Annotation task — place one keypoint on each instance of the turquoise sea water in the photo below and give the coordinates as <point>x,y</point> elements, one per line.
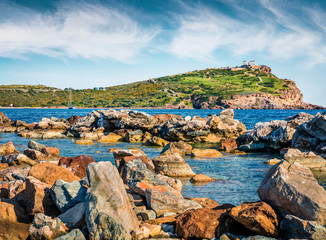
<point>240,174</point>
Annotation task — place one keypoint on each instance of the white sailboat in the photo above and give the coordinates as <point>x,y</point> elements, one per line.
<point>71,106</point>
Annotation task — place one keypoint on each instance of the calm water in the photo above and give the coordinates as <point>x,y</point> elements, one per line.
<point>240,174</point>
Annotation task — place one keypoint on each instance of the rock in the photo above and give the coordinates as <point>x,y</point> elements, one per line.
<point>134,136</point>
<point>4,119</point>
<point>110,138</point>
<point>175,183</point>
<point>45,227</point>
<point>50,172</point>
<point>201,178</point>
<point>73,119</point>
<point>206,153</point>
<point>75,234</point>
<point>76,165</point>
<point>157,141</point>
<point>34,154</point>
<point>172,165</point>
<point>14,220</point>
<point>228,145</point>
<point>139,178</point>
<point>307,159</point>
<point>4,190</point>
<point>309,135</point>
<point>205,202</point>
<point>75,216</point>
<point>17,159</point>
<point>84,142</point>
<point>272,161</point>
<point>180,147</point>
<point>65,195</point>
<point>295,228</point>
<point>37,198</point>
<point>124,156</point>
<point>292,189</point>
<point>109,214</point>
<point>147,230</point>
<point>229,113</point>
<point>162,202</point>
<point>258,217</point>
<point>147,215</point>
<point>19,174</point>
<point>203,223</point>
<point>163,220</point>
<point>35,145</point>
<point>273,135</point>
<point>51,152</point>
<point>7,148</point>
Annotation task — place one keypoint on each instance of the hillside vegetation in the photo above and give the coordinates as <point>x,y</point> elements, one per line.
<point>169,90</point>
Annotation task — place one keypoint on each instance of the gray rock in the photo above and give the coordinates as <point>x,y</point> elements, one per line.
<point>292,189</point>
<point>75,216</point>
<point>75,234</point>
<point>294,227</point>
<point>180,147</point>
<point>36,146</point>
<point>109,214</point>
<point>162,202</point>
<point>66,195</point>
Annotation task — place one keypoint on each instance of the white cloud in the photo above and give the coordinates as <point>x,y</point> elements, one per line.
<point>83,30</point>
<point>271,30</point>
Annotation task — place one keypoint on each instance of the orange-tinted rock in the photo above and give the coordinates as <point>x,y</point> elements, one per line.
<point>4,190</point>
<point>73,119</point>
<point>84,142</point>
<point>205,202</point>
<point>3,166</point>
<point>201,178</point>
<point>51,152</point>
<point>7,148</point>
<point>163,220</point>
<point>258,217</point>
<point>14,221</point>
<point>161,118</point>
<point>111,138</point>
<point>50,172</point>
<point>203,223</point>
<point>76,165</point>
<point>180,147</point>
<point>228,145</point>
<point>206,153</point>
<point>124,156</point>
<point>34,154</point>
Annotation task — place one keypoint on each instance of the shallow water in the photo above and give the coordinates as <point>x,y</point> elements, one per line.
<point>240,175</point>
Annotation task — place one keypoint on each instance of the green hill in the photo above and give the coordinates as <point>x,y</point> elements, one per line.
<point>203,84</point>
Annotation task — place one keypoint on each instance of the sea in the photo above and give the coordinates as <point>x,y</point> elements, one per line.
<point>239,175</point>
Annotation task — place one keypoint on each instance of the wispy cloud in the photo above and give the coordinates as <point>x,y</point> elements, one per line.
<point>83,30</point>
<point>273,28</point>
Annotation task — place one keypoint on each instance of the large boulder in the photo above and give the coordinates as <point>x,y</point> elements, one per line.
<point>311,136</point>
<point>273,135</point>
<point>173,165</point>
<point>166,202</point>
<point>292,189</point>
<point>75,234</point>
<point>75,216</point>
<point>205,153</point>
<point>66,195</point>
<point>180,147</point>
<point>258,217</point>
<point>17,159</point>
<point>295,228</point>
<point>77,165</point>
<point>35,145</point>
<point>204,223</point>
<point>109,214</point>
<point>122,156</point>
<point>50,172</point>
<point>134,136</point>
<point>7,148</point>
<point>14,221</point>
<point>110,138</point>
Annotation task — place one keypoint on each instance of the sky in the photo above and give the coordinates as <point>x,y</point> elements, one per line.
<point>86,44</point>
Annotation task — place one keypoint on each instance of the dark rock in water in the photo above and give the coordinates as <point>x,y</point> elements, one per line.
<point>66,195</point>
<point>311,135</point>
<point>45,227</point>
<point>203,223</point>
<point>76,165</point>
<point>19,123</point>
<point>35,145</point>
<point>75,234</point>
<point>292,189</point>
<point>164,202</point>
<point>258,217</point>
<point>295,228</point>
<point>172,165</point>
<point>273,135</point>
<point>73,119</point>
<point>109,214</point>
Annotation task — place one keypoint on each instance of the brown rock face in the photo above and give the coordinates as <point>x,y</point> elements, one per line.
<point>76,165</point>
<point>7,148</point>
<point>206,153</point>
<point>258,217</point>
<point>179,147</point>
<point>203,223</point>
<point>51,152</point>
<point>50,172</point>
<point>205,202</point>
<point>228,145</point>
<point>14,221</point>
<point>201,178</point>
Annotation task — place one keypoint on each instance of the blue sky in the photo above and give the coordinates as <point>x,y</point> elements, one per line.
<point>84,44</point>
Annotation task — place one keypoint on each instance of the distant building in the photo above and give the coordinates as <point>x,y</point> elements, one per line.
<point>244,63</point>
<point>96,88</point>
<point>252,62</point>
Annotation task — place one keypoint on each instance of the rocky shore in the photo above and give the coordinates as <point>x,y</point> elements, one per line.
<point>44,195</point>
